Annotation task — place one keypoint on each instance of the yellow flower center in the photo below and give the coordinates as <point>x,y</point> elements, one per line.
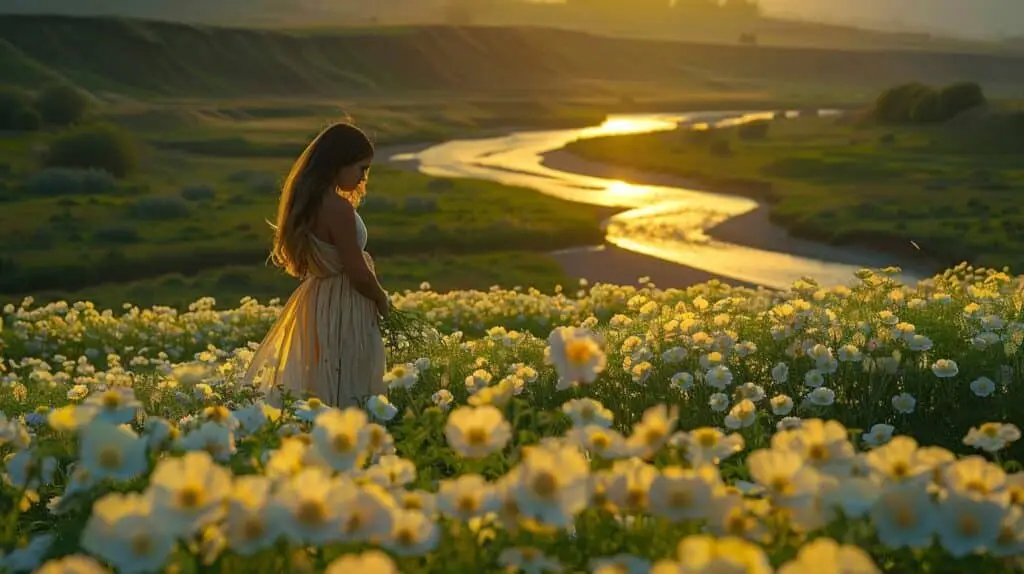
<point>405,536</point>
<point>977,486</point>
<point>311,513</point>
<point>110,458</point>
<point>968,525</point>
<point>315,404</point>
<point>680,499</point>
<point>904,517</point>
<point>253,528</point>
<point>142,544</point>
<point>990,430</point>
<point>600,441</point>
<point>354,523</point>
<point>578,352</point>
<point>190,497</point>
<point>342,443</point>
<point>900,469</point>
<point>477,436</point>
<point>817,453</point>
<point>467,504</point>
<point>653,436</point>
<point>780,485</point>
<point>707,438</point>
<point>412,502</point>
<point>111,399</point>
<point>636,497</point>
<point>545,485</point>
<point>737,524</point>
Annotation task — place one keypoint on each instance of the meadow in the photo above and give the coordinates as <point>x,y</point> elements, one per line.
<point>615,429</point>
<point>537,425</point>
<point>189,219</point>
<point>946,191</point>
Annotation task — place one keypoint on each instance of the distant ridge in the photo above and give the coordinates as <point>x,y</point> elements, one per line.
<point>125,55</point>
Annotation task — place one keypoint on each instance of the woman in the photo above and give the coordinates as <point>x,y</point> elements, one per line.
<point>327,341</point>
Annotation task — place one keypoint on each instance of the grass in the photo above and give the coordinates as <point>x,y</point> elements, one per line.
<point>952,189</point>
<point>895,425</point>
<point>125,241</point>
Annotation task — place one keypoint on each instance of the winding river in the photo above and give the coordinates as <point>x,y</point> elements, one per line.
<point>723,235</point>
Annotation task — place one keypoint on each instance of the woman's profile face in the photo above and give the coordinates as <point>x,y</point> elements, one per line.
<point>352,176</point>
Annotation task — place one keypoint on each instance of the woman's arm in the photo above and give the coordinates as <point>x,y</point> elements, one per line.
<point>341,226</point>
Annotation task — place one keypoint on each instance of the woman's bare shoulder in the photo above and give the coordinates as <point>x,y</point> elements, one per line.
<point>336,215</point>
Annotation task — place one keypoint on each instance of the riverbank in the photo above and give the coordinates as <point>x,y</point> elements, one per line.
<point>931,196</point>
<point>754,228</point>
<point>603,263</point>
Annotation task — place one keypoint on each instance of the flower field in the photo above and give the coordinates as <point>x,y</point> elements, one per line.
<point>860,429</point>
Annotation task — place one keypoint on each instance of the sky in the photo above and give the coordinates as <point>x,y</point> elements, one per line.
<point>988,18</point>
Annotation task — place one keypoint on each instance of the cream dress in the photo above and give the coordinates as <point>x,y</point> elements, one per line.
<point>326,342</point>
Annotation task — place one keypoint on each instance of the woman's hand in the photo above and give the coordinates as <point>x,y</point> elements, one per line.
<point>384,307</point>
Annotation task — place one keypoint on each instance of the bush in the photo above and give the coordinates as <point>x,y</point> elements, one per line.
<point>895,104</point>
<point>960,97</point>
<point>377,203</point>
<point>16,113</point>
<point>101,147</point>
<point>69,181</point>
<point>417,204</point>
<point>61,104</point>
<point>927,108</point>
<point>917,103</point>
<point>197,193</point>
<point>755,130</point>
<point>159,207</point>
<point>120,234</point>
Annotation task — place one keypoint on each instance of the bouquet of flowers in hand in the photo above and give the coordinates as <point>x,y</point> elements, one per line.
<point>404,328</point>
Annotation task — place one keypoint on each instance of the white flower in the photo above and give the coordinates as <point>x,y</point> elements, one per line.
<point>983,386</point>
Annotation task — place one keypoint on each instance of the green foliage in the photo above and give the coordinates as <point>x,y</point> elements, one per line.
<point>916,103</point>
<point>160,207</point>
<point>94,147</point>
<point>61,104</point>
<point>16,112</point>
<point>54,181</point>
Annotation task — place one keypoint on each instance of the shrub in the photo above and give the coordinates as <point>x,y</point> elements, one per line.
<point>69,181</point>
<point>755,130</point>
<point>158,207</point>
<point>259,182</point>
<point>16,113</point>
<point>101,147</point>
<point>377,203</point>
<point>895,104</point>
<point>418,204</point>
<point>197,193</point>
<point>927,108</point>
<point>918,103</point>
<point>121,234</point>
<point>61,104</point>
<point>960,97</point>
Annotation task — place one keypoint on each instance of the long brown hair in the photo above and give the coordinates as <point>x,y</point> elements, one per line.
<point>313,175</point>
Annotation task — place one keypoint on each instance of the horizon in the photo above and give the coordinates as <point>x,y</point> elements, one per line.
<point>977,20</point>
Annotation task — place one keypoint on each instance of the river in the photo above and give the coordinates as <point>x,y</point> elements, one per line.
<point>723,235</point>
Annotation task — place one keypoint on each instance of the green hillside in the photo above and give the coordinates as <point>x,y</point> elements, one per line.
<point>150,57</point>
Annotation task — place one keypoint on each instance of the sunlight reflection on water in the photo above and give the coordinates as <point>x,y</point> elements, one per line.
<point>664,222</point>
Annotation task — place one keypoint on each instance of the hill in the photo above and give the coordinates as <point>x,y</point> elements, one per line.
<point>163,58</point>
